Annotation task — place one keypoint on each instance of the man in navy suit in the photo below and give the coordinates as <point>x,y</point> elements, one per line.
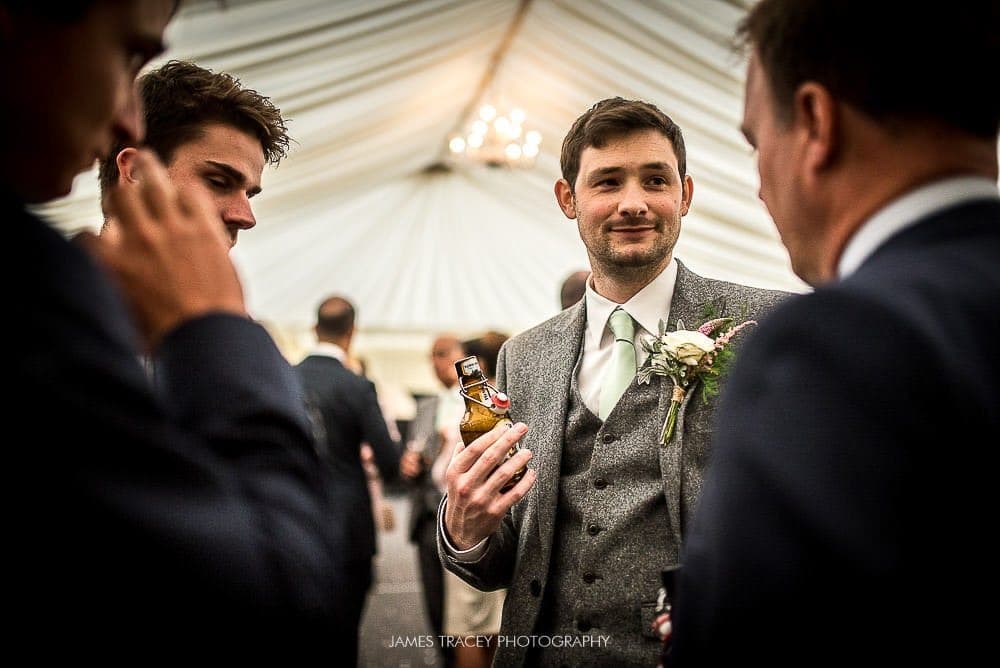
<point>348,414</point>
<point>844,519</point>
<point>195,515</point>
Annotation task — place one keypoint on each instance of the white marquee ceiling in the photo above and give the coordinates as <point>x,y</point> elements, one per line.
<point>373,90</point>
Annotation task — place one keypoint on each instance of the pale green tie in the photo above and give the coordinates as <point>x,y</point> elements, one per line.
<point>621,371</point>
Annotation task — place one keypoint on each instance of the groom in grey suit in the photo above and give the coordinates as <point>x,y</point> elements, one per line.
<point>582,554</point>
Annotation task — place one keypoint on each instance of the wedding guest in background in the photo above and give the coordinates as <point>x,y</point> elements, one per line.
<point>195,517</point>
<point>840,518</point>
<point>382,513</point>
<point>470,614</point>
<point>573,288</point>
<point>434,425</point>
<point>581,556</point>
<point>350,415</point>
<point>211,134</point>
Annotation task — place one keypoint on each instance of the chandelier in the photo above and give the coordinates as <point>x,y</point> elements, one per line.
<point>497,139</point>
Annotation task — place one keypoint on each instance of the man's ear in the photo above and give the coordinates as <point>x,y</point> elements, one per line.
<point>815,115</point>
<point>687,194</point>
<point>564,196</point>
<point>126,162</point>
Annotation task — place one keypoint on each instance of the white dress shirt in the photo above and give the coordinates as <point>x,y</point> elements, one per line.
<point>325,349</point>
<point>647,307</point>
<point>906,210</point>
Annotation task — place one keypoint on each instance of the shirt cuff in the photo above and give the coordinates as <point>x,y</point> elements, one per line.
<point>469,556</point>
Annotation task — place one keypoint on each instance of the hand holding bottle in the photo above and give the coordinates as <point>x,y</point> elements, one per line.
<point>474,479</point>
<point>485,407</point>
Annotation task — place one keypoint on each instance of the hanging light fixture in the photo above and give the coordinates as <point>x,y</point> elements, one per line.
<point>497,139</point>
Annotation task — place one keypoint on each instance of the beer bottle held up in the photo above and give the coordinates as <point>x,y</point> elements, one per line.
<point>485,407</point>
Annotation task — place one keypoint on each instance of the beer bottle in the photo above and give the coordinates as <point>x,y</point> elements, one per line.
<point>485,407</point>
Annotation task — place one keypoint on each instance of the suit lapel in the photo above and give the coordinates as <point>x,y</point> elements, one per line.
<point>688,304</point>
<point>551,428</point>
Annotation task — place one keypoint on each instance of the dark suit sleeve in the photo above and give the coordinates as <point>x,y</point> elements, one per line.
<point>194,510</point>
<point>236,399</point>
<point>376,433</point>
<point>801,542</point>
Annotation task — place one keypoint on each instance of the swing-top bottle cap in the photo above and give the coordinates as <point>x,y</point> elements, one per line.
<point>501,401</point>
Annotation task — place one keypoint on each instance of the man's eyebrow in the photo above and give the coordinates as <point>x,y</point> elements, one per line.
<point>649,166</point>
<point>603,171</point>
<point>234,174</point>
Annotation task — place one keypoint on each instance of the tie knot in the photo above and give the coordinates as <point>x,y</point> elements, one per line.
<point>622,325</point>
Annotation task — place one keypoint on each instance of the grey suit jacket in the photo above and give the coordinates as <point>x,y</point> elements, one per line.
<point>535,368</point>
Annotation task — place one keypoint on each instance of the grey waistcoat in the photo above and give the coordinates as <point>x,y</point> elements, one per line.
<point>600,580</point>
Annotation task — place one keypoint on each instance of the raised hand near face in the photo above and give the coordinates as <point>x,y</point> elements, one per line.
<point>167,252</point>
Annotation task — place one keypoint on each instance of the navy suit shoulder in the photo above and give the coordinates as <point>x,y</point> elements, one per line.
<point>348,406</point>
<point>842,509</point>
<point>193,511</point>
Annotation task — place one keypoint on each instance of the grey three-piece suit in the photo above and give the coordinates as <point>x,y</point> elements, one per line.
<point>581,554</point>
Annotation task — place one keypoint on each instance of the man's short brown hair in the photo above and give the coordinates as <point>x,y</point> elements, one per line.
<point>180,98</point>
<point>612,118</point>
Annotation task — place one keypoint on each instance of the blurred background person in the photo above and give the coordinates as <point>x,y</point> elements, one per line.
<point>573,288</point>
<point>435,423</point>
<point>347,406</point>
<point>470,614</point>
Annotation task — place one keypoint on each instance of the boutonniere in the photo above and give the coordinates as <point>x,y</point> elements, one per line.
<point>687,356</point>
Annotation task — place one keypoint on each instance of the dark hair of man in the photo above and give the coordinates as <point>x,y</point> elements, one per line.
<point>613,118</point>
<point>180,98</point>
<point>58,11</point>
<point>335,317</point>
<point>893,70</point>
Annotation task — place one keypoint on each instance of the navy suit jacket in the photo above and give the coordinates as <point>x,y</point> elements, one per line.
<point>192,515</point>
<point>348,407</point>
<point>846,516</point>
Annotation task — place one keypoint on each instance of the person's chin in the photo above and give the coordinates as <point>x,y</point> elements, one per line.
<point>636,255</point>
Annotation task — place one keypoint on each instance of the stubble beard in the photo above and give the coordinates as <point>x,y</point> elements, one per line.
<point>633,265</point>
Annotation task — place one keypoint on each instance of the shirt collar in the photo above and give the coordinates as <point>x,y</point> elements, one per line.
<point>907,210</point>
<point>326,349</point>
<point>647,307</point>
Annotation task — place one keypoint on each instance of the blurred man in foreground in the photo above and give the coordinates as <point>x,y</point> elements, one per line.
<point>196,515</point>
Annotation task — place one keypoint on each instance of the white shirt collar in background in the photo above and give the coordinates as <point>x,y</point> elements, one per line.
<point>324,349</point>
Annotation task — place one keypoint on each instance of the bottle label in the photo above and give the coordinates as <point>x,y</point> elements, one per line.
<point>470,366</point>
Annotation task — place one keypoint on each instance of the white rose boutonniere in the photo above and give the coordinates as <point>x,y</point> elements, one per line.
<point>686,346</point>
<point>687,356</point>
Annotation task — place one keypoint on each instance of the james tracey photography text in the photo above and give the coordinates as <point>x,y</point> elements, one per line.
<point>427,641</point>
